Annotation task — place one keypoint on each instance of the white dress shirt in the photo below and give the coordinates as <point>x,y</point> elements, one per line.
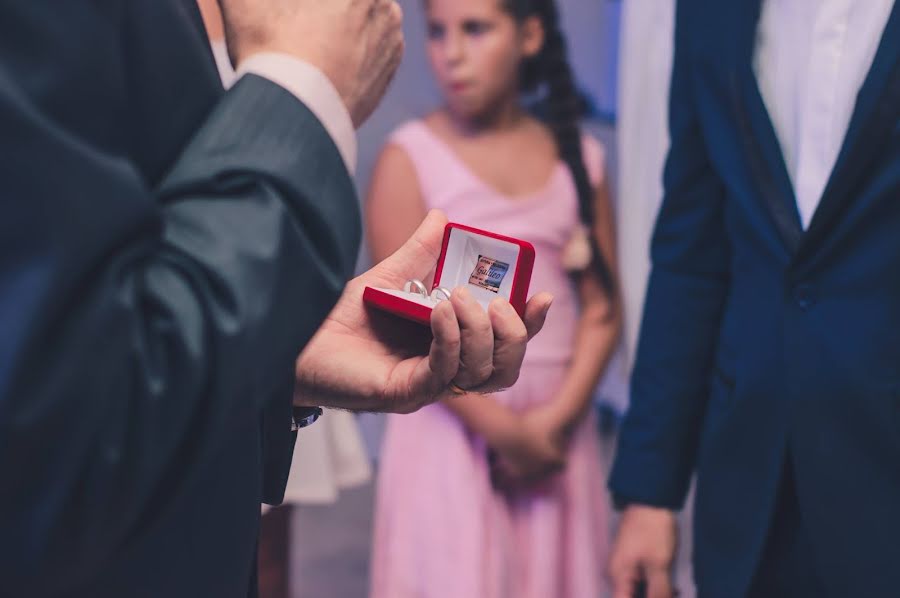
<point>812,57</point>
<point>307,83</point>
<point>645,67</point>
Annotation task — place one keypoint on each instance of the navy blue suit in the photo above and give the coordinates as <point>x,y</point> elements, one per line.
<point>764,347</point>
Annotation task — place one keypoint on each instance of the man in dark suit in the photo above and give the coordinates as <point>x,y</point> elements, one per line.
<point>769,359</point>
<point>166,250</point>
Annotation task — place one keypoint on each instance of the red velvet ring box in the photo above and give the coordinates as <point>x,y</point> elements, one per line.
<point>489,265</point>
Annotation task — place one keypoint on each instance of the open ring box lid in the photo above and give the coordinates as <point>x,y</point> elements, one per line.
<point>489,265</point>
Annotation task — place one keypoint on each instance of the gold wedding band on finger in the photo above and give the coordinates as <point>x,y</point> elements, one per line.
<point>458,390</point>
<point>455,389</point>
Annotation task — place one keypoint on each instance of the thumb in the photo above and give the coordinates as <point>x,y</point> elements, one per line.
<point>417,257</point>
<point>536,313</point>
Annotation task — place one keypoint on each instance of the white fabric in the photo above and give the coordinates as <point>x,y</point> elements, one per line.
<point>329,457</point>
<point>223,63</point>
<point>307,83</point>
<point>812,57</point>
<point>645,67</point>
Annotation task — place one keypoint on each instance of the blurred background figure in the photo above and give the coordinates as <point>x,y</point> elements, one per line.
<point>328,457</point>
<point>503,496</point>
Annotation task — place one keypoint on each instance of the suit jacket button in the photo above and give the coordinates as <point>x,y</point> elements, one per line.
<point>805,295</point>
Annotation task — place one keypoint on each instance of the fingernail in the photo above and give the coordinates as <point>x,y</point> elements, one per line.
<point>502,305</point>
<point>464,295</point>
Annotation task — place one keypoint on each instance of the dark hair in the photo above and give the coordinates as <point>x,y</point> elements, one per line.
<point>550,74</point>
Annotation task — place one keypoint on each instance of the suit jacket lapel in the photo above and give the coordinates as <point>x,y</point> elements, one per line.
<point>758,137</point>
<point>877,107</point>
<point>193,11</point>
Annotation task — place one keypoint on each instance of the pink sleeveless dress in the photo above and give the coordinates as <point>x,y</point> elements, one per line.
<point>441,530</point>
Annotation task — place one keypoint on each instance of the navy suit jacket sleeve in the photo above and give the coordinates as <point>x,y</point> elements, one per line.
<point>145,323</point>
<point>685,299</point>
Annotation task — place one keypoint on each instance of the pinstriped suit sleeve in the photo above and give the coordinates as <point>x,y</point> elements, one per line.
<point>139,325</point>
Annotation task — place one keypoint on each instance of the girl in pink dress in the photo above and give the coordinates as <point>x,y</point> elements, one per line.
<point>502,496</point>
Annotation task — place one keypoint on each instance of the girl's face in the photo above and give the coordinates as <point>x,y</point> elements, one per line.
<point>476,49</point>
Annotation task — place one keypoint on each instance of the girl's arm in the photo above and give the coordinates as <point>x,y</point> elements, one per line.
<point>598,332</point>
<point>394,206</point>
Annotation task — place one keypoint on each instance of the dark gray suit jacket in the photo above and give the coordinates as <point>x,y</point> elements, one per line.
<point>166,250</point>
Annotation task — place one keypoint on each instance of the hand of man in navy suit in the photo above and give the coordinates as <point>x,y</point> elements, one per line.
<point>644,552</point>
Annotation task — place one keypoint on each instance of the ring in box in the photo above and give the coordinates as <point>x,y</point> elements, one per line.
<point>489,265</point>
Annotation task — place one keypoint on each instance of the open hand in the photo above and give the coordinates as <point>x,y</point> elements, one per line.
<point>362,359</point>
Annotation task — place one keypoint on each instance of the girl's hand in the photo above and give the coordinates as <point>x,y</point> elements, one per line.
<point>559,419</point>
<point>536,452</point>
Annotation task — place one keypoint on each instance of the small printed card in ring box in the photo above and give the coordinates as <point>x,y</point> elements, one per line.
<point>489,265</point>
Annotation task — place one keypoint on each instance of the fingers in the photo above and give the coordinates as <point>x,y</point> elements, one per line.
<point>625,578</point>
<point>421,381</point>
<point>511,337</point>
<point>476,353</point>
<point>501,476</point>
<point>624,569</point>
<point>384,52</point>
<point>643,553</point>
<point>396,16</point>
<point>510,342</point>
<point>509,479</point>
<point>494,342</point>
<point>443,360</point>
<point>659,582</point>
<point>536,313</point>
<point>395,39</point>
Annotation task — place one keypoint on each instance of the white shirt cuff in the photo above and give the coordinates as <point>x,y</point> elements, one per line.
<point>312,87</point>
